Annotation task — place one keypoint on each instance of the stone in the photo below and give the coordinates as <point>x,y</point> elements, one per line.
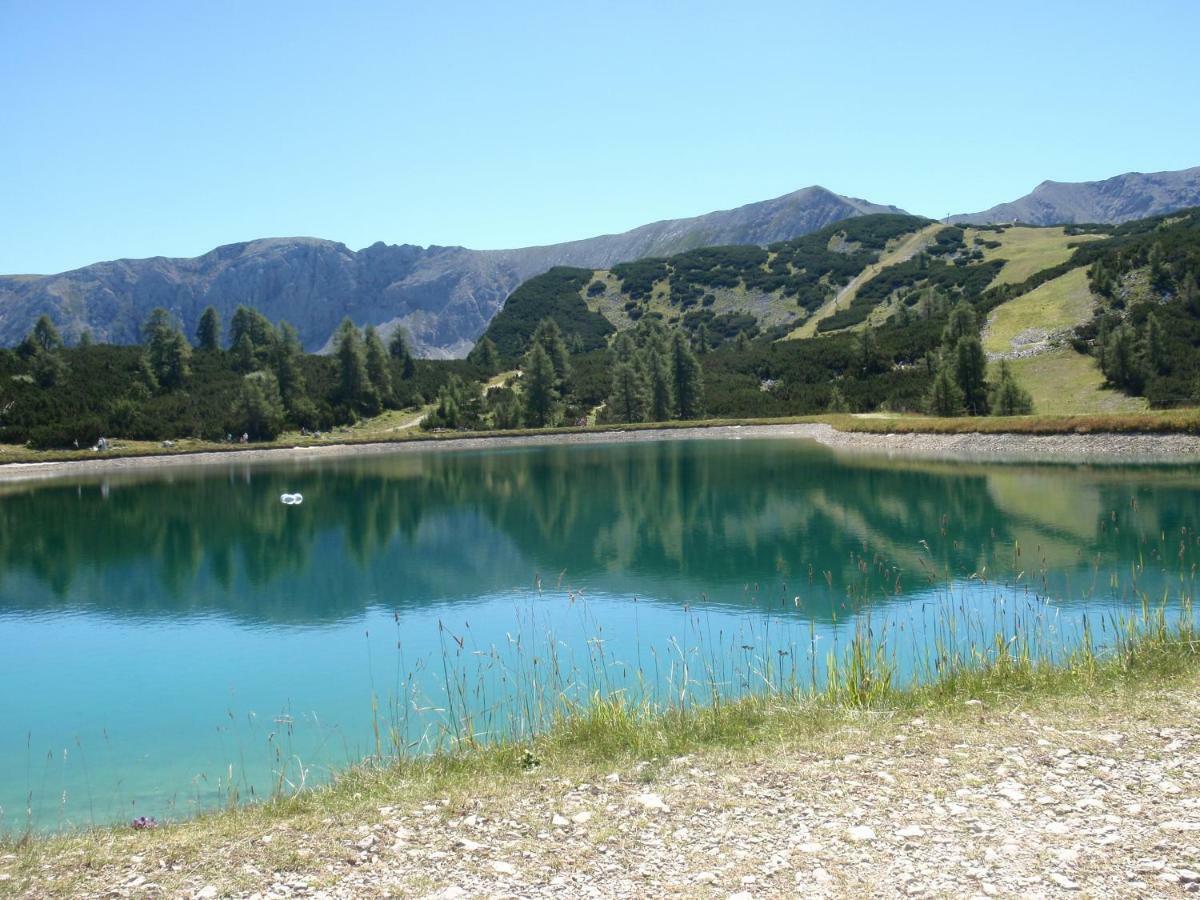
<point>1063,882</point>
<point>652,802</point>
<point>503,868</point>
<point>857,834</point>
<point>559,821</point>
<point>581,818</point>
<point>208,892</point>
<point>910,831</point>
<point>1174,825</point>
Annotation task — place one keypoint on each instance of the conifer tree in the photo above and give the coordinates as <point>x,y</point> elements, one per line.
<point>400,349</point>
<point>259,408</point>
<point>970,371</point>
<point>945,396</point>
<point>46,335</point>
<point>630,396</point>
<point>208,331</point>
<point>686,381</point>
<point>486,356</point>
<point>549,335</point>
<point>1009,398</point>
<point>658,376</point>
<point>378,370</point>
<point>540,387</point>
<point>960,325</point>
<point>354,383</point>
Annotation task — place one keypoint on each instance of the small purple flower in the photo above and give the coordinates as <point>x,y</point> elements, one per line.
<point>142,823</point>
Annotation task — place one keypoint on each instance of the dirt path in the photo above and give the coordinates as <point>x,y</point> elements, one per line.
<point>1070,797</point>
<point>902,253</point>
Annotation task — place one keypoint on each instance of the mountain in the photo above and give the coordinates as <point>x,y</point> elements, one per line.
<point>443,296</point>
<point>1123,198</point>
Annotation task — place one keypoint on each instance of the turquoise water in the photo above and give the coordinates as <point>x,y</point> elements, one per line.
<point>177,640</point>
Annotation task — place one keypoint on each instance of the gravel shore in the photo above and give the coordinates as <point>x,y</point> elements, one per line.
<point>1078,796</point>
<point>1073,448</point>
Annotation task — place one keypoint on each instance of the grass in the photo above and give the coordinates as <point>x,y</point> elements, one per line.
<point>1065,383</point>
<point>1054,307</point>
<point>1027,251</point>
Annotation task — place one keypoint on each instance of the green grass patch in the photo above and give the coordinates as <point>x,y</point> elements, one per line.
<point>1065,383</point>
<point>1027,251</point>
<point>1030,319</point>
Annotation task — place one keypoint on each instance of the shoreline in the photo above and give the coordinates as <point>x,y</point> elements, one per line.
<point>999,447</point>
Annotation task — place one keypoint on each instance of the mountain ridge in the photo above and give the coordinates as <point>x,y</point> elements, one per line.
<point>443,295</point>
<point>1111,201</point>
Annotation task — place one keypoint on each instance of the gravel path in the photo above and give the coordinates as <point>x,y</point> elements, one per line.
<point>1098,448</point>
<point>1074,797</point>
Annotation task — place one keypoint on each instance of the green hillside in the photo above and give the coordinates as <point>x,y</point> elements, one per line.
<point>855,316</point>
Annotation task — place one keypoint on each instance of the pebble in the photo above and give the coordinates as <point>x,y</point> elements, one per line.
<point>653,802</point>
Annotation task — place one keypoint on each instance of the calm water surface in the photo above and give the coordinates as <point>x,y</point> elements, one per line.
<point>171,641</point>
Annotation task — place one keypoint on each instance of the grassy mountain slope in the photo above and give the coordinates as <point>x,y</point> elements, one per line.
<point>715,291</point>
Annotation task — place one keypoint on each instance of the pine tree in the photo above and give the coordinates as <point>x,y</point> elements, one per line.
<point>85,338</point>
<point>167,350</point>
<point>45,335</point>
<point>400,349</point>
<point>549,335</point>
<point>354,383</point>
<point>658,376</point>
<point>243,355</point>
<point>970,371</point>
<point>960,325</point>
<point>1154,348</point>
<point>686,381</point>
<point>208,331</point>
<point>486,356</point>
<point>837,401</point>
<point>540,387</point>
<point>378,370</point>
<point>1119,359</point>
<point>945,396</point>
<point>630,396</point>
<point>292,386</point>
<point>258,409</point>
<point>1009,398</point>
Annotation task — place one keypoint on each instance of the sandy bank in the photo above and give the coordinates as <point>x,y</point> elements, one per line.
<point>1053,448</point>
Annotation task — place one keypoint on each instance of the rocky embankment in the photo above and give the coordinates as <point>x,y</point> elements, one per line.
<point>1065,797</point>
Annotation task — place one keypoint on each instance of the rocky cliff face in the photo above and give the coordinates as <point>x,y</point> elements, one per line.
<point>444,296</point>
<point>1112,201</point>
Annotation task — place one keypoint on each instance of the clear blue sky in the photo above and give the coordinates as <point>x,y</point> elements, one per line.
<point>139,129</point>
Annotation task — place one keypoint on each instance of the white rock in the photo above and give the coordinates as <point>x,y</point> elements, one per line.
<point>581,818</point>
<point>1174,825</point>
<point>910,831</point>
<point>705,878</point>
<point>809,847</point>
<point>504,868</point>
<point>1064,882</point>
<point>559,821</point>
<point>468,845</point>
<point>857,834</point>
<point>652,802</point>
<point>452,893</point>
<point>1057,828</point>
<point>208,892</point>
<point>741,895</point>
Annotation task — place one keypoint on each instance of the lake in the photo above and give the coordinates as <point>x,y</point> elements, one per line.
<point>177,640</point>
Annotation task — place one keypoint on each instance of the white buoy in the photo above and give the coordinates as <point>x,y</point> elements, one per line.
<point>291,499</point>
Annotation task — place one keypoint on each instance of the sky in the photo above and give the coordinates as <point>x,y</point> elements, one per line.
<point>136,129</point>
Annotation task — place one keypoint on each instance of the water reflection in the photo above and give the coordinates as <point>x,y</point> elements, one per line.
<point>728,523</point>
